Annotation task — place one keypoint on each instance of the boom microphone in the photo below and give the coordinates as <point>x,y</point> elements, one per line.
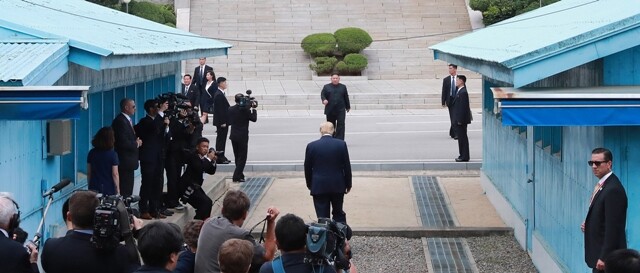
<point>57,187</point>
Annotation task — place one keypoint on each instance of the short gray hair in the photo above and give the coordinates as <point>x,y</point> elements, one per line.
<point>7,209</point>
<point>326,128</point>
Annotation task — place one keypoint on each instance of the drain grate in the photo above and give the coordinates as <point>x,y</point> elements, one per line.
<point>431,202</point>
<point>448,255</point>
<point>254,188</point>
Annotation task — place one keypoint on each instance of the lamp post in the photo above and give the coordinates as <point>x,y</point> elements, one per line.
<point>127,3</point>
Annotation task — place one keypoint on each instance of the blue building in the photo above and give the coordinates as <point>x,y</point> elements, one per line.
<point>64,67</point>
<point>557,82</point>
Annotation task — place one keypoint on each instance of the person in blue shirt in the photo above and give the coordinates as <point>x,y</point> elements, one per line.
<point>102,163</point>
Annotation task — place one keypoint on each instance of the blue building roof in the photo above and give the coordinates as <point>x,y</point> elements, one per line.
<point>103,32</point>
<point>546,41</point>
<point>32,61</point>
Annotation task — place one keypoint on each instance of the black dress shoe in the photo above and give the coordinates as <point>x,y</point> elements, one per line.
<point>239,180</point>
<point>462,160</point>
<point>223,161</point>
<point>166,212</point>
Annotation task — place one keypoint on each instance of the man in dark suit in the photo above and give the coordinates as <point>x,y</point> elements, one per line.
<point>199,162</point>
<point>126,145</point>
<point>239,117</point>
<point>190,90</point>
<point>448,93</point>
<point>327,171</point>
<point>199,74</point>
<point>13,256</point>
<point>220,117</point>
<point>151,130</point>
<point>335,98</point>
<point>461,117</point>
<point>604,227</point>
<point>75,253</point>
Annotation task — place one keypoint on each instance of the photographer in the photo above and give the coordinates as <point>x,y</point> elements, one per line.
<point>75,252</point>
<point>201,161</point>
<point>239,117</point>
<point>181,129</point>
<point>13,256</point>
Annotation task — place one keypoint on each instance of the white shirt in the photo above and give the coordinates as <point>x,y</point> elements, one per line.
<point>5,233</point>
<point>604,178</point>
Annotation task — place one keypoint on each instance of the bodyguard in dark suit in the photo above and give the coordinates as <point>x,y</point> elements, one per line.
<point>604,227</point>
<point>199,162</point>
<point>448,93</point>
<point>126,145</point>
<point>336,101</point>
<point>461,117</point>
<point>75,253</point>
<point>220,119</point>
<point>239,117</point>
<point>190,90</point>
<point>13,256</point>
<point>179,140</point>
<point>199,73</point>
<point>327,171</point>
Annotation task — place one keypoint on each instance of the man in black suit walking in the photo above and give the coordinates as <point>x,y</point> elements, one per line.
<point>327,171</point>
<point>448,93</point>
<point>190,90</point>
<point>220,117</point>
<point>461,117</point>
<point>604,227</point>
<point>199,74</point>
<point>126,145</point>
<point>13,256</point>
<point>335,98</point>
<point>239,117</point>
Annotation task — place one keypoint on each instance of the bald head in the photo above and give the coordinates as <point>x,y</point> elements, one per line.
<point>326,128</point>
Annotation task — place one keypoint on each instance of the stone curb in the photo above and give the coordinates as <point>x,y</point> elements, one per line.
<point>420,232</point>
<point>404,166</point>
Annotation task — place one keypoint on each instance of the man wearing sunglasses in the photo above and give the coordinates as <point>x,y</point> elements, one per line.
<point>604,227</point>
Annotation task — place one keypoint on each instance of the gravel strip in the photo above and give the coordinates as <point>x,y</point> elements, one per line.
<point>388,254</point>
<point>500,254</point>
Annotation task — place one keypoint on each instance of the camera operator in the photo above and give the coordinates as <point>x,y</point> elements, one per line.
<point>199,162</point>
<point>239,117</point>
<point>13,256</point>
<point>76,253</point>
<point>180,132</point>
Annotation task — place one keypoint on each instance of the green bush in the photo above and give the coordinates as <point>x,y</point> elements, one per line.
<point>319,44</point>
<point>162,14</point>
<point>323,65</point>
<point>352,63</point>
<point>494,11</point>
<point>352,40</point>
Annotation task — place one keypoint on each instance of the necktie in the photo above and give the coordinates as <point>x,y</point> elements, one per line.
<point>186,89</point>
<point>453,86</point>
<point>595,191</point>
<point>202,77</point>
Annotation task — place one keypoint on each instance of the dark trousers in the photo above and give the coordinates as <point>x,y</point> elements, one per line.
<point>173,167</point>
<point>452,128</point>
<point>240,149</point>
<point>463,141</point>
<point>202,203</point>
<point>338,123</point>
<point>151,186</point>
<point>330,201</point>
<point>596,270</point>
<point>221,140</point>
<point>126,181</point>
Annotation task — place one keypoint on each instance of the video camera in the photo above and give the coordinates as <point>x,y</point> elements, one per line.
<point>177,103</point>
<point>325,243</point>
<point>248,100</point>
<point>112,221</point>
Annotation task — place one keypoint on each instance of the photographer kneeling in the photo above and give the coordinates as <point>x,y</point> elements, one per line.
<point>291,239</point>
<point>201,161</point>
<point>76,252</point>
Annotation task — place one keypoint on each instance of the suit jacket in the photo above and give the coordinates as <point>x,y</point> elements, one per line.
<point>75,253</point>
<point>604,229</point>
<point>220,108</point>
<point>239,118</point>
<point>446,91</point>
<point>201,79</point>
<point>461,108</point>
<point>125,144</point>
<point>327,168</point>
<point>151,132</point>
<point>196,166</point>
<point>151,269</point>
<point>206,96</point>
<point>193,94</point>
<point>337,96</point>
<point>14,258</point>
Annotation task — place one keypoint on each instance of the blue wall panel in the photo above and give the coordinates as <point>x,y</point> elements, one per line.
<point>622,68</point>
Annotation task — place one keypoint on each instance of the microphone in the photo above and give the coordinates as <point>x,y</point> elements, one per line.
<point>57,187</point>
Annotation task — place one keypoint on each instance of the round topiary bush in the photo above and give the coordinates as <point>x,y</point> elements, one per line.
<point>353,63</point>
<point>352,40</point>
<point>323,65</point>
<point>319,44</point>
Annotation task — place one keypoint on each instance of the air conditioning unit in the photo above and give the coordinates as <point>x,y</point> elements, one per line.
<point>58,137</point>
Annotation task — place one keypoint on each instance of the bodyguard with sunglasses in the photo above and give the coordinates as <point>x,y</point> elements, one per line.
<point>604,227</point>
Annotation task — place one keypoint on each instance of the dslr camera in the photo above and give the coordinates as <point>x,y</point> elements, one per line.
<point>112,222</point>
<point>325,244</point>
<point>248,100</point>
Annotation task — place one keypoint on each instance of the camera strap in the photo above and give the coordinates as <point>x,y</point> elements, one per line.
<point>264,225</point>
